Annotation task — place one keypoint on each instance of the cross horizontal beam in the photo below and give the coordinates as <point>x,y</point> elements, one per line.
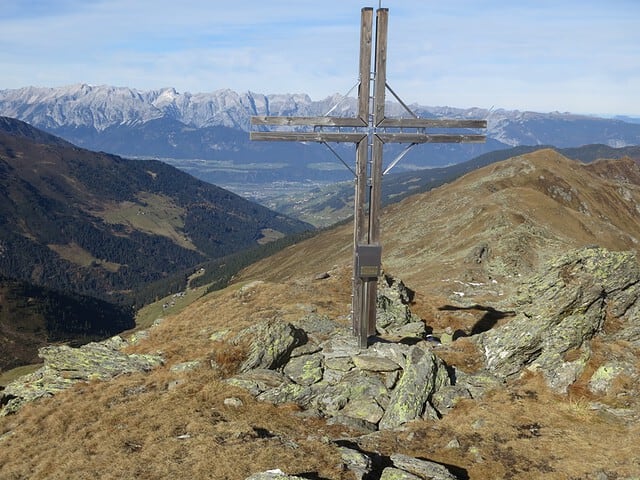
<point>308,121</point>
<point>431,123</point>
<point>357,122</point>
<point>428,138</point>
<point>308,136</point>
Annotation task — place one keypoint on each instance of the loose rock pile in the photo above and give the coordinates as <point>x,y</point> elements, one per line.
<point>316,364</point>
<point>402,467</point>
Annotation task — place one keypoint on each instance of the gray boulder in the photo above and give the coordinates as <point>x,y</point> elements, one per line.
<point>392,305</point>
<point>257,381</point>
<point>305,370</point>
<point>391,473</point>
<point>271,344</point>
<point>423,374</point>
<point>422,468</point>
<point>356,462</point>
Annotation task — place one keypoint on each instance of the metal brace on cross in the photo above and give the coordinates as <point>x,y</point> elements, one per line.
<point>369,131</point>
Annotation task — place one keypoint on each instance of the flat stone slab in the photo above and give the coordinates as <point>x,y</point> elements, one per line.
<point>374,363</point>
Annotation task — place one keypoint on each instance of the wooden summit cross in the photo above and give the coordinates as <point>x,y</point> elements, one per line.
<point>369,131</point>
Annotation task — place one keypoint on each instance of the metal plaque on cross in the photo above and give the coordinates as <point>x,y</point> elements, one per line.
<point>369,131</point>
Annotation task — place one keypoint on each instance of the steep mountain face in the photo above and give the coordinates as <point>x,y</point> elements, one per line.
<point>213,126</point>
<point>98,224</point>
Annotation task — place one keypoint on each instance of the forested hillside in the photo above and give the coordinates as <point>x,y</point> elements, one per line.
<point>101,225</point>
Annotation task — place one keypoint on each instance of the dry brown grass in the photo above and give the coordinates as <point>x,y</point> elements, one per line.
<point>525,432</point>
<point>227,357</point>
<point>166,424</point>
<point>139,427</point>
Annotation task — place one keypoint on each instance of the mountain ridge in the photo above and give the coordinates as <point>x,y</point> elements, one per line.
<point>325,205</point>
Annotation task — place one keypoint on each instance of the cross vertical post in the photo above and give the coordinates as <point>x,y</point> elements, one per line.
<point>360,306</point>
<point>369,131</point>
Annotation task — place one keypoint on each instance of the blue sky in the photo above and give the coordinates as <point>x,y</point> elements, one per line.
<point>565,55</point>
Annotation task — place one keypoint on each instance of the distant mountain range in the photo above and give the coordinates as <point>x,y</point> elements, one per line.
<point>212,127</point>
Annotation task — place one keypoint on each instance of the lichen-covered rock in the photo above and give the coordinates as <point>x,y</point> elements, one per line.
<point>392,305</point>
<point>448,397</point>
<point>415,329</point>
<point>351,422</point>
<point>421,468</point>
<point>257,381</point>
<point>305,370</point>
<point>65,366</point>
<point>561,309</point>
<point>95,361</point>
<point>308,348</point>
<point>375,363</point>
<point>271,344</point>
<point>320,326</point>
<point>340,346</point>
<point>423,374</point>
<point>330,402</point>
<point>603,378</point>
<point>477,383</point>
<point>391,473</point>
<point>357,462</point>
<point>340,365</point>
<point>397,352</point>
<point>365,408</point>
<point>359,384</point>
<point>288,393</point>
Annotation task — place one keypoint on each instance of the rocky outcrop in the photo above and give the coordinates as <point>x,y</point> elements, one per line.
<point>400,378</point>
<point>423,374</point>
<point>557,313</point>
<point>560,310</point>
<point>385,386</point>
<point>271,343</point>
<point>64,366</point>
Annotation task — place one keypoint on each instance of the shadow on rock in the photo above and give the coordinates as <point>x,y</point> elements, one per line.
<point>486,323</point>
